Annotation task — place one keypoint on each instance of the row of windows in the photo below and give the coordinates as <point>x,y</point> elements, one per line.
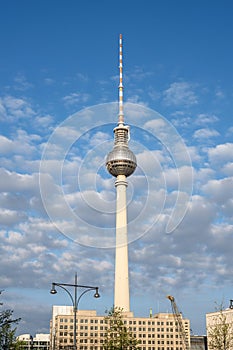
<point>65,334</point>
<point>101,321</point>
<point>141,335</point>
<point>91,340</point>
<point>133,329</point>
<point>81,347</point>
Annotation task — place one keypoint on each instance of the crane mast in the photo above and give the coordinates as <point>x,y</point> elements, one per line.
<point>179,320</point>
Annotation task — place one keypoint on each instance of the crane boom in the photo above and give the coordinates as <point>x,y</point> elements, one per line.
<point>178,317</point>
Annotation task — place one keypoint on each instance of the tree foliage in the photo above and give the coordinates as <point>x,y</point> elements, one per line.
<point>220,332</point>
<point>7,331</point>
<point>118,336</point>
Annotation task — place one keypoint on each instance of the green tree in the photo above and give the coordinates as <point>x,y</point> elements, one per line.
<point>118,336</point>
<point>8,339</point>
<point>220,331</point>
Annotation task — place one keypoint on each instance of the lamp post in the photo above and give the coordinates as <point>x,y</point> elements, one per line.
<point>75,299</point>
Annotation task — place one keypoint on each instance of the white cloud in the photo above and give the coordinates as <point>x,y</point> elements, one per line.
<point>44,121</point>
<point>76,98</point>
<point>228,169</point>
<point>20,144</point>
<point>13,108</point>
<point>219,93</point>
<point>220,190</point>
<point>21,83</point>
<point>180,93</point>
<point>205,133</point>
<point>11,217</point>
<point>204,119</point>
<point>13,182</point>
<point>222,153</point>
<point>138,73</point>
<point>82,77</point>
<point>230,131</point>
<point>49,81</point>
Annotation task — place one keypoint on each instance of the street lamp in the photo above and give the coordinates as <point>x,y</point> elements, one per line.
<point>75,300</point>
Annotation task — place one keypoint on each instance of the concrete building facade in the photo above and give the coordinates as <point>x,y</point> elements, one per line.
<point>158,332</point>
<point>40,341</point>
<point>219,319</point>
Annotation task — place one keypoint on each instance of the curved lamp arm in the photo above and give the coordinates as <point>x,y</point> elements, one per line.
<point>53,291</point>
<point>96,295</point>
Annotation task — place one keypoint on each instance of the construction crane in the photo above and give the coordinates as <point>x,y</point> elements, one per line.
<point>179,320</point>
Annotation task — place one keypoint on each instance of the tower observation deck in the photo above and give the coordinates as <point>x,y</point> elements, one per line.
<point>121,160</point>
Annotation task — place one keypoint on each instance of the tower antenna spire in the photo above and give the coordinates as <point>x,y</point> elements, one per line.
<point>121,111</point>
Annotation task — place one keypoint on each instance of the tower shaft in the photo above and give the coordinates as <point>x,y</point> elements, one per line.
<point>121,293</point>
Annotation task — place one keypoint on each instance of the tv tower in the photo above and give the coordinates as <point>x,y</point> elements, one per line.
<point>121,163</point>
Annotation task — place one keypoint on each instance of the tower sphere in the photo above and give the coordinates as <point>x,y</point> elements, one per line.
<point>121,160</point>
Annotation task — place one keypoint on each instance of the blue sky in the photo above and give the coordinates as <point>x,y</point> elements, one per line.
<point>58,94</point>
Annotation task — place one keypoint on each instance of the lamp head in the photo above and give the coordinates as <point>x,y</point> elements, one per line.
<point>53,289</point>
<point>97,295</point>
